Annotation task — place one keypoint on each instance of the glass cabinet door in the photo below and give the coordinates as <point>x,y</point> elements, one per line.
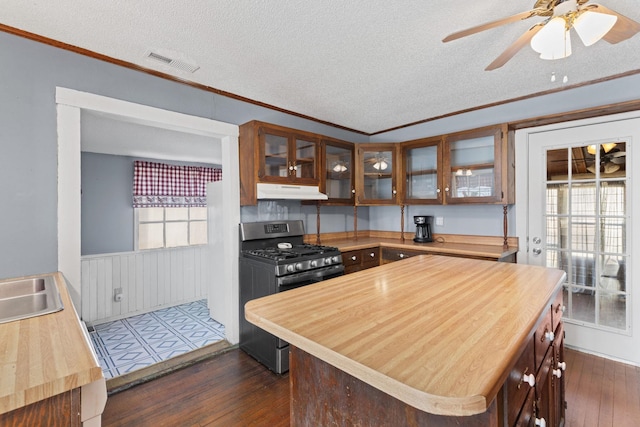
<point>422,162</point>
<point>304,162</point>
<point>472,160</point>
<point>377,179</point>
<point>287,157</point>
<point>338,171</point>
<point>276,155</point>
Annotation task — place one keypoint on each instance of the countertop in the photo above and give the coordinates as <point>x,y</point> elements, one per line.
<point>44,356</point>
<point>451,248</point>
<point>439,333</point>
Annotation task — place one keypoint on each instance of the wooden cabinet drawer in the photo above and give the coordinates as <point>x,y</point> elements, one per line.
<point>371,257</point>
<point>557,309</point>
<point>543,338</point>
<point>360,259</point>
<point>394,254</point>
<point>527,416</point>
<point>517,385</point>
<point>351,258</point>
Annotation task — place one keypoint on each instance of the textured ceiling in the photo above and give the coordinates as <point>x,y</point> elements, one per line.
<point>368,65</point>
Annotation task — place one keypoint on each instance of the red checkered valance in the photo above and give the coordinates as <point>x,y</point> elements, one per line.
<point>163,185</point>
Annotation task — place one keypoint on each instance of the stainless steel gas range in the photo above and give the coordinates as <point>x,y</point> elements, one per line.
<point>274,258</point>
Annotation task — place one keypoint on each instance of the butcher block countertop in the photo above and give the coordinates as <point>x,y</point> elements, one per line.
<point>44,356</point>
<point>436,332</point>
<point>457,245</point>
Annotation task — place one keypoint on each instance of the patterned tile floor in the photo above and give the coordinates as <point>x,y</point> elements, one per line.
<point>135,342</point>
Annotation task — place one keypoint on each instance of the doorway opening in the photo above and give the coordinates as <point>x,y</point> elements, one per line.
<point>220,253</point>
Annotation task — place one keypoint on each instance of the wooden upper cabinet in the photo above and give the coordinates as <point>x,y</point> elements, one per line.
<point>376,174</point>
<point>337,177</point>
<point>479,167</point>
<point>421,171</point>
<point>276,154</point>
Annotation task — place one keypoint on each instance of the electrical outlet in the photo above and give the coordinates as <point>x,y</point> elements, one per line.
<point>117,294</point>
<point>440,221</point>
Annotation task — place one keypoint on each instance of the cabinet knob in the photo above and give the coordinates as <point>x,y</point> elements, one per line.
<point>548,335</point>
<point>541,422</point>
<point>529,379</point>
<point>353,258</point>
<point>557,373</point>
<point>372,255</point>
<point>353,191</point>
<point>400,255</point>
<point>446,189</point>
<point>394,192</point>
<point>437,190</point>
<point>562,365</point>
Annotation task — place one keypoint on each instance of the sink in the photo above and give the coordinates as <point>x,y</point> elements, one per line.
<point>25,298</point>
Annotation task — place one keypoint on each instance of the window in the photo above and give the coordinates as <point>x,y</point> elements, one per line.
<point>170,227</point>
<point>170,204</point>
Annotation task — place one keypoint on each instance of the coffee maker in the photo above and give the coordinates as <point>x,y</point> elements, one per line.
<point>423,228</point>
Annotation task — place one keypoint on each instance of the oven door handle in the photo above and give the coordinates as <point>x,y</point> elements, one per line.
<point>314,275</point>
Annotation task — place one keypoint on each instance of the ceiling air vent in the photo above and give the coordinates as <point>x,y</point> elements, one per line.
<point>175,63</point>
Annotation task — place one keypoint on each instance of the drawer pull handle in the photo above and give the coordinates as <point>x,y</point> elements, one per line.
<point>560,308</point>
<point>548,335</point>
<point>562,365</point>
<point>541,422</point>
<point>557,373</point>
<point>529,379</point>
<point>353,258</point>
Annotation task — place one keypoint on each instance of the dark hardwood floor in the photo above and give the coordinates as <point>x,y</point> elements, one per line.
<point>232,389</point>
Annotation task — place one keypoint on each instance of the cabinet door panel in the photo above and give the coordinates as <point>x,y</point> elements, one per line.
<point>337,180</point>
<point>422,171</point>
<point>276,155</point>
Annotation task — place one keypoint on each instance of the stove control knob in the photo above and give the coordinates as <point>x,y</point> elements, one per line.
<point>299,266</point>
<point>313,263</point>
<point>291,268</point>
<point>327,261</point>
<point>336,259</point>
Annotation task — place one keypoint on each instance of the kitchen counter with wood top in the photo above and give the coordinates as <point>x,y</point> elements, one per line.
<point>438,333</point>
<point>482,247</point>
<point>45,356</point>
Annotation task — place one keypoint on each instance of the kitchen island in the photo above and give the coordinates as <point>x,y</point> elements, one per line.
<point>430,340</point>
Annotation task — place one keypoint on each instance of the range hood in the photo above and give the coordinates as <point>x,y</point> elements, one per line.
<point>291,192</point>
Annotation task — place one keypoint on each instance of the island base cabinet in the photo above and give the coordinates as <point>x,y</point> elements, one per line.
<point>324,395</point>
<point>60,410</point>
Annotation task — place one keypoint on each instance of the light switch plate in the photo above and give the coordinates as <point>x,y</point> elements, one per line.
<point>439,221</point>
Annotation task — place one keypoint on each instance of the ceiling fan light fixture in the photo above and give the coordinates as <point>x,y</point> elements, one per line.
<point>553,41</point>
<point>608,146</point>
<point>592,26</point>
<point>339,167</point>
<point>380,165</point>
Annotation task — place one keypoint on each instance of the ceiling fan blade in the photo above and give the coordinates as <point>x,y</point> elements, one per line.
<point>515,47</point>
<point>623,29</point>
<point>478,28</point>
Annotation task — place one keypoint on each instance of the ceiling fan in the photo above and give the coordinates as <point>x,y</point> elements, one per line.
<point>612,158</point>
<point>591,21</point>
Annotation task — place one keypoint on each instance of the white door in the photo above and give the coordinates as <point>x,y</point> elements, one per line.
<point>581,210</point>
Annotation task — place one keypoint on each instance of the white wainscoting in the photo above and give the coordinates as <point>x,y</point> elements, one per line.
<point>149,280</point>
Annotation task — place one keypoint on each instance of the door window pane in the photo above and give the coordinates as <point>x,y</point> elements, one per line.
<point>586,231</point>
